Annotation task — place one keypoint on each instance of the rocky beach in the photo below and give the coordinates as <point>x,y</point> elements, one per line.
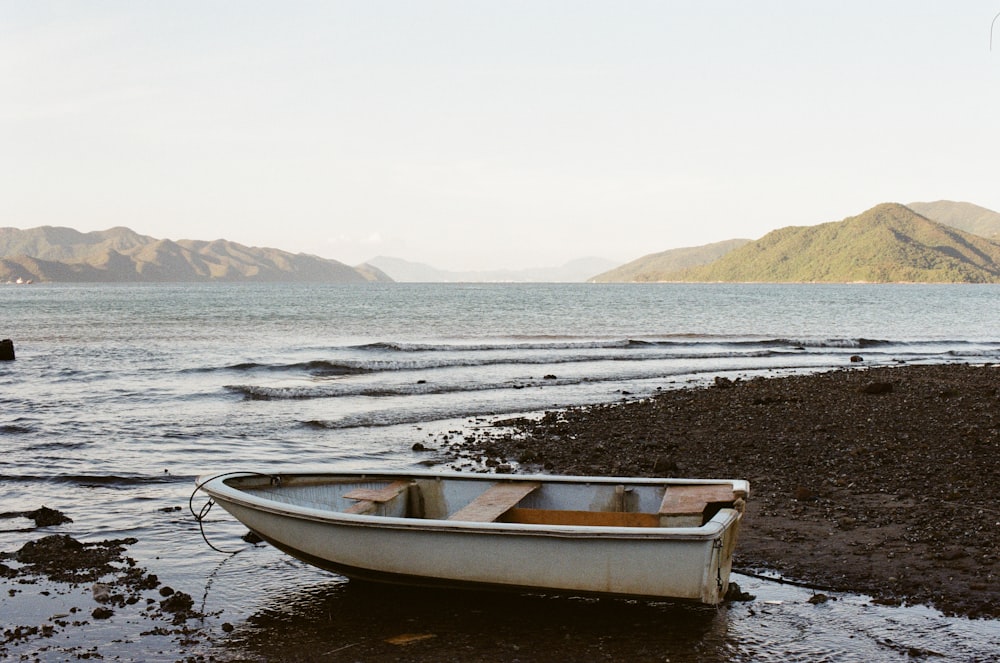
<point>877,481</point>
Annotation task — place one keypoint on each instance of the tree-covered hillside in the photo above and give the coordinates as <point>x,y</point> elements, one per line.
<point>888,243</point>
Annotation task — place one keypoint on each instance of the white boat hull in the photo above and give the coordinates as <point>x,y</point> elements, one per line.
<point>687,563</point>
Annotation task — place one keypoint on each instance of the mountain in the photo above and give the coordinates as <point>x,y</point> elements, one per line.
<point>574,271</point>
<point>888,243</point>
<point>407,272</point>
<point>655,266</point>
<point>964,216</point>
<point>120,255</point>
<point>372,273</point>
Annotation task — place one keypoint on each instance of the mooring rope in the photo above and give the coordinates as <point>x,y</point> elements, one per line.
<point>208,585</point>
<point>201,514</point>
<point>781,580</point>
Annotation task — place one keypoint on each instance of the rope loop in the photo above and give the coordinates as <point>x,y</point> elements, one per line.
<point>202,513</point>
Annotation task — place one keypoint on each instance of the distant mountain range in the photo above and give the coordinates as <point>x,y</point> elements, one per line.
<point>572,272</point>
<point>941,241</point>
<point>888,243</point>
<point>120,255</point>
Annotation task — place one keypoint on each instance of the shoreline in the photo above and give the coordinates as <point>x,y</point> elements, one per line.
<point>878,481</point>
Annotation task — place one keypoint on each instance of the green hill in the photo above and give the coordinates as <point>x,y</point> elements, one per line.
<point>656,266</point>
<point>888,243</point>
<point>121,255</point>
<point>964,216</point>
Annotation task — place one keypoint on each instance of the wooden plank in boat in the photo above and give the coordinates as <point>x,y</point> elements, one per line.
<point>495,501</point>
<point>585,518</point>
<point>383,494</point>
<point>369,498</point>
<point>684,506</point>
<point>362,507</point>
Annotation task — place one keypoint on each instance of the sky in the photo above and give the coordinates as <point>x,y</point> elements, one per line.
<point>469,134</point>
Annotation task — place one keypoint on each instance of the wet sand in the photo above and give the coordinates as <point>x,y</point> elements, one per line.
<point>879,481</point>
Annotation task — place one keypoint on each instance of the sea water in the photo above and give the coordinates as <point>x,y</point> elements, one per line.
<point>121,394</point>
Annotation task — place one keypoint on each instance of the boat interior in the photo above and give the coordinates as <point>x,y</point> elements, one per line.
<point>596,504</point>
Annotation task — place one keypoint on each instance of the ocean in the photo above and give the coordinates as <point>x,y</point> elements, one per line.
<point>121,394</point>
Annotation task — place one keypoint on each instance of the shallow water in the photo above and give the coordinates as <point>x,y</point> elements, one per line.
<point>282,609</point>
<point>301,611</point>
<point>120,395</point>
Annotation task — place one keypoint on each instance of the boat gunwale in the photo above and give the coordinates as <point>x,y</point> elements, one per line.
<point>217,487</point>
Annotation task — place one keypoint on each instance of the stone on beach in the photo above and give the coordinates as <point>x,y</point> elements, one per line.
<point>101,592</point>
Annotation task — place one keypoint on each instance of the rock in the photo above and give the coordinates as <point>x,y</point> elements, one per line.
<point>179,603</point>
<point>888,600</point>
<point>816,599</point>
<point>102,613</point>
<point>736,593</point>
<point>101,592</point>
<point>856,358</point>
<point>43,517</point>
<point>847,522</point>
<point>723,383</point>
<point>550,377</point>
<point>6,350</point>
<point>252,537</point>
<point>46,517</point>
<point>55,547</point>
<point>877,388</point>
<point>803,494</point>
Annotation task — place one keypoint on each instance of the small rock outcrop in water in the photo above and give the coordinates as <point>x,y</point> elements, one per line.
<point>43,516</point>
<point>6,350</point>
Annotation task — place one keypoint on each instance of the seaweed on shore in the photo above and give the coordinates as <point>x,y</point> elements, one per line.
<point>59,563</point>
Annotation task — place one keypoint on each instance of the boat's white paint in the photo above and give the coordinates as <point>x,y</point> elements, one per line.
<point>304,515</point>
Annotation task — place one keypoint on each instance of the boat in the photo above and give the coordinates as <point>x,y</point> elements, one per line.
<point>661,539</point>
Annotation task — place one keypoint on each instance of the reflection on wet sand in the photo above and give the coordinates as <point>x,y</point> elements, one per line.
<point>296,613</point>
<point>363,621</point>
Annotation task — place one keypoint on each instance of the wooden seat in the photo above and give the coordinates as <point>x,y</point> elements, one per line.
<point>495,501</point>
<point>580,518</point>
<point>368,499</point>
<point>685,506</point>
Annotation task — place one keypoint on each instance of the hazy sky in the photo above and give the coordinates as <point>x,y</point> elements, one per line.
<point>471,134</point>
